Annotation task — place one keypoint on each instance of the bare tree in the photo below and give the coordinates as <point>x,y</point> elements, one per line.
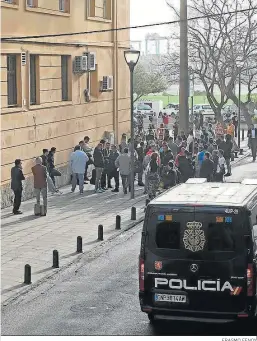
<point>147,81</point>
<point>220,47</point>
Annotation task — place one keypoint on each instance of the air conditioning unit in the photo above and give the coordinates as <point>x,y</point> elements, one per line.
<point>80,64</point>
<point>107,84</point>
<point>91,59</point>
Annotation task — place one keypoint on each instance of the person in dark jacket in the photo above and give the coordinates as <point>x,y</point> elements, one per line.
<point>112,170</point>
<point>166,155</point>
<point>16,185</point>
<point>169,176</point>
<point>215,159</point>
<point>252,140</point>
<point>184,166</point>
<point>175,130</point>
<point>201,120</point>
<point>51,165</point>
<point>99,167</point>
<point>44,157</point>
<point>207,168</point>
<point>141,154</point>
<point>228,146</point>
<point>106,154</point>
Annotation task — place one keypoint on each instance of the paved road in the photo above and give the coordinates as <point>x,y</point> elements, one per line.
<point>99,296</point>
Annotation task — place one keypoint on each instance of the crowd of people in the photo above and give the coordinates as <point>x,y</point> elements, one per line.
<point>162,157</point>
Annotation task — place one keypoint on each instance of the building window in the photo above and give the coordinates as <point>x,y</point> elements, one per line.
<point>14,3</point>
<point>12,79</point>
<point>105,9</point>
<point>100,9</point>
<point>62,5</point>
<point>31,3</point>
<point>33,79</point>
<point>65,78</point>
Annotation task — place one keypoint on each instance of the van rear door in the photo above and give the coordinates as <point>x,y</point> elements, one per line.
<point>196,260</point>
<point>225,257</point>
<point>163,257</point>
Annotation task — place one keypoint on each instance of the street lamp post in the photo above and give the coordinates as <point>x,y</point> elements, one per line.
<point>192,95</point>
<point>240,65</point>
<point>132,57</point>
<point>239,111</point>
<point>184,81</point>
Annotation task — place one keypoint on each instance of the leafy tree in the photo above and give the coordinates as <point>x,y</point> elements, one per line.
<point>147,81</point>
<point>222,46</point>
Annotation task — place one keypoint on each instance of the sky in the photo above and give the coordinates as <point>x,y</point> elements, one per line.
<point>147,12</point>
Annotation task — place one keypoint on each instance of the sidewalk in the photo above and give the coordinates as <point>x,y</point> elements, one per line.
<point>31,240</point>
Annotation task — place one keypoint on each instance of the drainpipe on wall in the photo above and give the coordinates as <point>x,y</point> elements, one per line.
<point>115,70</point>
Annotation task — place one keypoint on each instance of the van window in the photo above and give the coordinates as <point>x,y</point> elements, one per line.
<point>255,232</point>
<point>168,235</point>
<point>221,237</point>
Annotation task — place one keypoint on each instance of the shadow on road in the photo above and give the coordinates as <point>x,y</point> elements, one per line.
<point>12,288</point>
<point>177,328</point>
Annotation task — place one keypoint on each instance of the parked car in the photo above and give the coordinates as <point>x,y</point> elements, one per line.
<point>206,110</point>
<point>144,109</point>
<point>171,109</point>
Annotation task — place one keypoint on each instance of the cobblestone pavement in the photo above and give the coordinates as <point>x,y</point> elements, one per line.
<point>27,239</point>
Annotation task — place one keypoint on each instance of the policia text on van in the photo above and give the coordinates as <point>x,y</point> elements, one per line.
<point>198,253</point>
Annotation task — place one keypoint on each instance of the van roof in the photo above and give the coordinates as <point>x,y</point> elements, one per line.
<point>209,193</point>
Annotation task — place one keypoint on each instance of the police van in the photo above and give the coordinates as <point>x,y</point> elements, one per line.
<point>198,253</point>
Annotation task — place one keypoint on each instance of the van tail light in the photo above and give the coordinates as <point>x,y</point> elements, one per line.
<point>141,274</point>
<point>250,280</point>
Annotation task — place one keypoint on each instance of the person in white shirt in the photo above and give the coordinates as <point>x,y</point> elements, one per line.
<point>190,141</point>
<point>78,161</point>
<point>221,167</point>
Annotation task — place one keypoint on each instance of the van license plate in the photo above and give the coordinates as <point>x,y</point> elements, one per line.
<point>170,298</point>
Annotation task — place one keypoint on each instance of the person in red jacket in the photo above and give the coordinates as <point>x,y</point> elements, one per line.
<point>181,153</point>
<point>165,121</point>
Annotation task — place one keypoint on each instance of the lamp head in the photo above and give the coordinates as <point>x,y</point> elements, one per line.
<point>131,57</point>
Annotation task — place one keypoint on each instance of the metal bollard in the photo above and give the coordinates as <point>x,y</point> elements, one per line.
<point>243,135</point>
<point>133,213</point>
<point>118,221</point>
<point>55,259</point>
<point>100,232</point>
<point>79,244</point>
<point>236,156</point>
<point>27,274</point>
<point>241,151</point>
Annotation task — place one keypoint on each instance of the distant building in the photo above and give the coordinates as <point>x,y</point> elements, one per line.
<point>153,44</point>
<point>48,96</point>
